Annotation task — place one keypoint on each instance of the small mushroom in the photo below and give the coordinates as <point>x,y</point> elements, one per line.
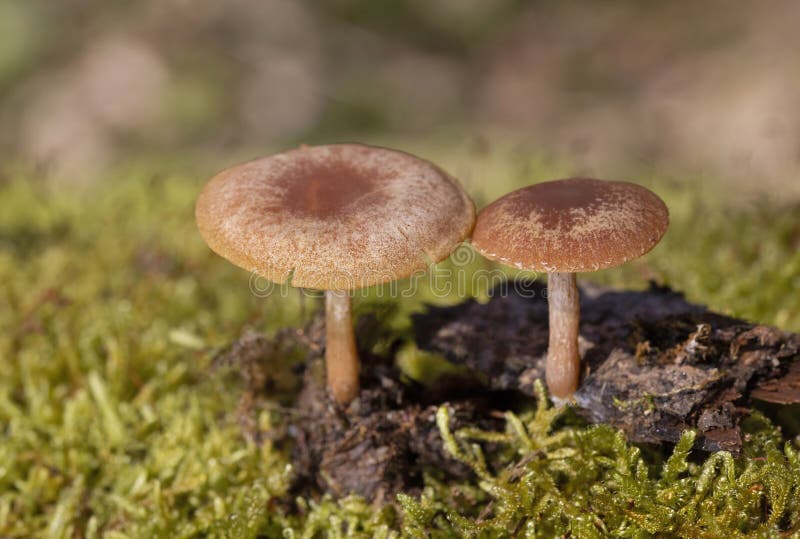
<point>565,227</point>
<point>337,218</point>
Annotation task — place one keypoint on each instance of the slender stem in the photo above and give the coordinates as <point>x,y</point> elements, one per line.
<point>563,366</point>
<point>341,358</point>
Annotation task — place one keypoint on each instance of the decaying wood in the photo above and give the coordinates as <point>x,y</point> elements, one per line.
<point>654,364</point>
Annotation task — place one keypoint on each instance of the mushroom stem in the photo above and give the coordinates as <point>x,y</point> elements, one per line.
<point>562,370</point>
<point>341,358</point>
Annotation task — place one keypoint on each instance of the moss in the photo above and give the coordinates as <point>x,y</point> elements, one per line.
<point>588,482</point>
<point>111,310</point>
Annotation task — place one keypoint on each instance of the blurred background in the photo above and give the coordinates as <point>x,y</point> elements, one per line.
<point>681,88</point>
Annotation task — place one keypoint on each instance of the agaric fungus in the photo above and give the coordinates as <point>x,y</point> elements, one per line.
<point>335,218</point>
<point>565,227</point>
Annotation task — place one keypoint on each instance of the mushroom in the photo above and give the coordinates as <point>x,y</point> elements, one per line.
<point>564,227</point>
<point>337,218</point>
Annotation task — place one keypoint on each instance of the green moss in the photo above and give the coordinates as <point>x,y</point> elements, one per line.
<point>589,482</point>
<point>111,309</point>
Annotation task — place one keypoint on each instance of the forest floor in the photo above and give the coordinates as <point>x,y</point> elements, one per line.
<point>147,391</point>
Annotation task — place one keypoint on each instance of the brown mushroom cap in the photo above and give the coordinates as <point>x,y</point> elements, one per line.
<point>335,217</point>
<point>573,225</point>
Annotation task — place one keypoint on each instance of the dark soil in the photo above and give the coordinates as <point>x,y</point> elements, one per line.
<point>654,364</point>
<point>383,441</point>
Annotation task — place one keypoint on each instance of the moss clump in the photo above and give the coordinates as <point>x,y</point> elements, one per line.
<point>111,310</point>
<point>589,482</point>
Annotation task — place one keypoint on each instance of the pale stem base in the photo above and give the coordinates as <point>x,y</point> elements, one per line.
<point>341,357</point>
<point>563,367</point>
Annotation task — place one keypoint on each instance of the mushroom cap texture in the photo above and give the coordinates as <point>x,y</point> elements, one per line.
<point>334,217</point>
<point>571,226</point>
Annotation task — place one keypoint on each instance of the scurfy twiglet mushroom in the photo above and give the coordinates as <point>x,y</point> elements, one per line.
<point>336,218</point>
<point>565,227</point>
